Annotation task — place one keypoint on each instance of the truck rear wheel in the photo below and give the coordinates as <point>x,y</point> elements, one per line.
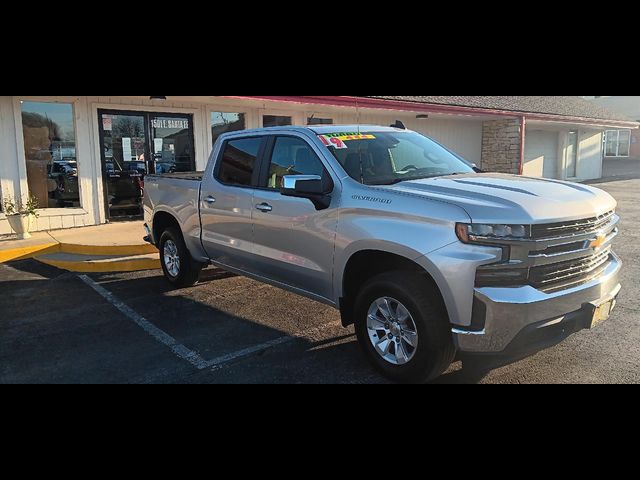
<point>403,328</point>
<point>178,266</point>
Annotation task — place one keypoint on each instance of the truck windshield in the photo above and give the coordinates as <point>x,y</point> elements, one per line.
<point>387,158</point>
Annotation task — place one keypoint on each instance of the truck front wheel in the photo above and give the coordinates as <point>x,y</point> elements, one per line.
<point>178,266</point>
<point>403,328</point>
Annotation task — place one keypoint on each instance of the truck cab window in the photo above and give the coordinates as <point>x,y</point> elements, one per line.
<point>239,161</point>
<point>292,156</point>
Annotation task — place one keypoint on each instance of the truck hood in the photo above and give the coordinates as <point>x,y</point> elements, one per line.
<point>510,199</point>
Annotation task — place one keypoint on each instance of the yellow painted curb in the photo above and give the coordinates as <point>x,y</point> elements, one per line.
<point>104,267</point>
<point>124,250</point>
<point>24,253</point>
<point>28,252</point>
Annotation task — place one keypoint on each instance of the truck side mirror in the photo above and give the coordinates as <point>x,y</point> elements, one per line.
<point>302,184</point>
<point>312,187</point>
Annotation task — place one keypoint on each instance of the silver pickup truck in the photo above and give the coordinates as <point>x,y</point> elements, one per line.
<point>429,258</point>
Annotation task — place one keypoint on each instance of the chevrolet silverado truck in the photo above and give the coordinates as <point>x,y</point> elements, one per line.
<point>431,260</point>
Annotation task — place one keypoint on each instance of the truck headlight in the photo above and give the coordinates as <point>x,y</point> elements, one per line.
<point>477,232</point>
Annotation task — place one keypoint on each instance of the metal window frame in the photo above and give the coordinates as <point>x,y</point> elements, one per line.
<point>606,142</point>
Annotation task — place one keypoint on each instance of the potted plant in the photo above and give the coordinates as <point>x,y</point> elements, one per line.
<point>21,215</point>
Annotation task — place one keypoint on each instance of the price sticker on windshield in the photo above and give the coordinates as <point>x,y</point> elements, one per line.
<point>337,140</point>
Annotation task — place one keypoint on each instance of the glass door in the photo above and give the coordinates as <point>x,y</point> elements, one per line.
<point>134,144</point>
<point>572,155</point>
<point>124,148</point>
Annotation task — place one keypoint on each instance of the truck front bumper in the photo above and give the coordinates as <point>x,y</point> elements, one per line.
<point>526,319</point>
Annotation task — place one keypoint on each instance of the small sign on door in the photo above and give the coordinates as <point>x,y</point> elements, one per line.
<point>127,151</point>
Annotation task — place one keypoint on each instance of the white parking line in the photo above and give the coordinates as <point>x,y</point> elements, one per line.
<point>185,353</point>
<point>178,349</point>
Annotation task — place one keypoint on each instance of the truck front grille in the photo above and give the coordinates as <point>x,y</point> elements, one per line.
<point>567,229</point>
<point>564,275</point>
<point>567,239</point>
<point>559,257</point>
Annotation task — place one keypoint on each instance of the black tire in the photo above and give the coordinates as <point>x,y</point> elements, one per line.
<point>188,273</point>
<point>435,351</point>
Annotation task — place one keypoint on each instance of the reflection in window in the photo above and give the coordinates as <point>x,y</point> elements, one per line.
<point>319,121</point>
<point>50,152</point>
<point>222,122</point>
<point>239,161</point>
<point>125,164</point>
<point>292,156</point>
<point>572,155</point>
<point>617,143</point>
<point>172,144</point>
<point>276,121</point>
<point>624,143</point>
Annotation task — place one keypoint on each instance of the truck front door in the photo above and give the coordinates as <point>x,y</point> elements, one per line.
<point>293,241</point>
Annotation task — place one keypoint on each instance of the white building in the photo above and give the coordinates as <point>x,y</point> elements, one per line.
<point>85,157</point>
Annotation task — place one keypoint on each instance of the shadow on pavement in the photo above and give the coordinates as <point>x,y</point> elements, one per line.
<point>460,375</point>
<point>28,267</point>
<point>56,329</point>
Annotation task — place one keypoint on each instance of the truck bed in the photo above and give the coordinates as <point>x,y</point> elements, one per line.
<point>177,192</point>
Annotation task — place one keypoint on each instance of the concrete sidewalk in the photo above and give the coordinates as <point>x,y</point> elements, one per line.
<point>117,246</point>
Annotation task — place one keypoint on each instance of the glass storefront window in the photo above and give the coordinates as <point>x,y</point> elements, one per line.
<point>223,122</point>
<point>172,144</point>
<point>50,152</point>
<point>319,121</point>
<point>276,121</point>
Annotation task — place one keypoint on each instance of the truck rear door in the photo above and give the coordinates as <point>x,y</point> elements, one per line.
<point>226,202</point>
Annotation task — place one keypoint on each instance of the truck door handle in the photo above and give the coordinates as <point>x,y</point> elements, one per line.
<point>264,207</point>
<point>210,200</point>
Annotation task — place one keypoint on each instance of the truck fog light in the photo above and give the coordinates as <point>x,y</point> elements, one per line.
<point>501,277</point>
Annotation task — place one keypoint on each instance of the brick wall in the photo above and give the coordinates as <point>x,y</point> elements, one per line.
<point>501,146</point>
<point>635,144</point>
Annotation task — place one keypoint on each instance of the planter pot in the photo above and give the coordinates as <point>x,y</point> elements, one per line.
<point>21,224</point>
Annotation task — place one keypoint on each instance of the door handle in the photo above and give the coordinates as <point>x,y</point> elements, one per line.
<point>210,200</point>
<point>264,207</point>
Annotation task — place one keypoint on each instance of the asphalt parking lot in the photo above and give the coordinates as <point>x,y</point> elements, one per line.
<point>58,327</point>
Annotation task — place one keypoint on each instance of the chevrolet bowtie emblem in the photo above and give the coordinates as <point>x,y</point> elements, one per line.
<point>598,242</point>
